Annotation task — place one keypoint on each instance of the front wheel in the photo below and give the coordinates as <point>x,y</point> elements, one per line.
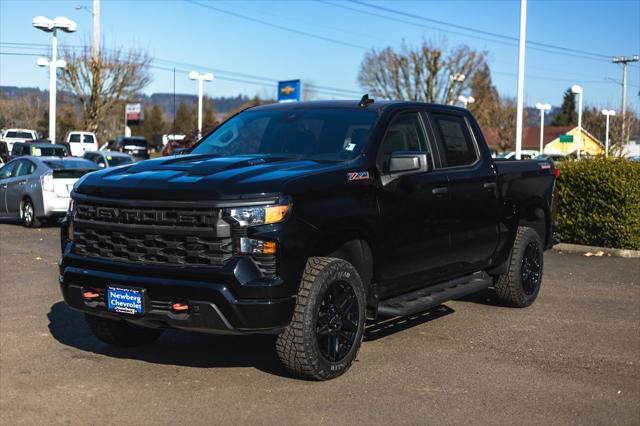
<point>325,333</point>
<point>520,286</point>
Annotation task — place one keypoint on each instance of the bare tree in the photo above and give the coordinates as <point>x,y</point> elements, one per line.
<point>102,85</point>
<point>503,120</point>
<point>419,74</point>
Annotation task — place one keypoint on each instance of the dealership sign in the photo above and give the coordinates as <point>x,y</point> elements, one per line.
<point>134,114</point>
<point>289,91</point>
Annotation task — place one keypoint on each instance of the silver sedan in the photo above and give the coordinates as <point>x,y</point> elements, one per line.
<point>34,189</point>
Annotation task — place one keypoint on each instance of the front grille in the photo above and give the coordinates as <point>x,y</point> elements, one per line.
<point>162,236</point>
<point>142,247</point>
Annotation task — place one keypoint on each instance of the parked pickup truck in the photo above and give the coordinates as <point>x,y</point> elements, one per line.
<point>11,136</point>
<point>304,220</point>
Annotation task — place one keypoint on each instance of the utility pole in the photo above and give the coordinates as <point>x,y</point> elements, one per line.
<point>520,101</point>
<point>96,31</point>
<point>624,60</point>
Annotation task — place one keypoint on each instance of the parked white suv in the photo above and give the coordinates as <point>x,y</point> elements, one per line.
<point>11,136</point>
<point>80,142</point>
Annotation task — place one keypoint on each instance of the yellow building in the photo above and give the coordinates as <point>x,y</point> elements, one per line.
<point>590,145</point>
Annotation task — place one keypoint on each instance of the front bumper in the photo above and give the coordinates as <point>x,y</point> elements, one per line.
<point>213,308</point>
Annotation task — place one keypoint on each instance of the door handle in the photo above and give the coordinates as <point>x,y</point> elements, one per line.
<point>440,190</point>
<point>489,186</point>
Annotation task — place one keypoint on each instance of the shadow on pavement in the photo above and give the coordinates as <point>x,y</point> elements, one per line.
<point>173,348</point>
<point>483,297</point>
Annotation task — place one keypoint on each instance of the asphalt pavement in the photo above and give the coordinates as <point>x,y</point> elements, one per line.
<point>571,358</point>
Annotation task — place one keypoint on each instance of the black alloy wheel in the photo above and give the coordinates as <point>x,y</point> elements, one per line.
<point>531,268</point>
<point>337,321</point>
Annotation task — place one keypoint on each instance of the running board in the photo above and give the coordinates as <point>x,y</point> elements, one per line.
<point>430,297</point>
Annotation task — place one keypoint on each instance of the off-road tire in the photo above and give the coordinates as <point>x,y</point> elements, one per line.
<point>28,214</point>
<point>120,333</point>
<point>297,346</point>
<point>511,289</point>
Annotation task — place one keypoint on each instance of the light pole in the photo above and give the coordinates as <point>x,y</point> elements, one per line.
<point>624,60</point>
<point>466,100</point>
<point>95,12</point>
<point>578,90</point>
<point>542,107</point>
<point>607,113</point>
<point>521,57</point>
<point>455,78</point>
<point>51,26</point>
<point>201,77</point>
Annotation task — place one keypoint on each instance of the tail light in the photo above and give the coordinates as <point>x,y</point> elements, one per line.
<point>47,182</point>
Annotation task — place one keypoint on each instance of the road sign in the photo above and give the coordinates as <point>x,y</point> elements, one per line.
<point>134,114</point>
<point>566,138</point>
<point>289,91</point>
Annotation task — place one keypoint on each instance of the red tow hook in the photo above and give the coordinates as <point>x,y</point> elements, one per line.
<point>90,294</point>
<point>179,307</point>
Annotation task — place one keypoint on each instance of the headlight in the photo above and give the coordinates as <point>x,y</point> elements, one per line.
<point>254,215</point>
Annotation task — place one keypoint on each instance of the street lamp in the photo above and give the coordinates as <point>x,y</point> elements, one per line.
<point>51,26</point>
<point>578,90</point>
<point>542,107</point>
<point>466,100</point>
<point>607,113</point>
<point>201,77</point>
<point>455,78</point>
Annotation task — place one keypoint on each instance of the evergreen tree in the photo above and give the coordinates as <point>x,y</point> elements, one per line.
<point>153,127</point>
<point>567,115</point>
<point>487,99</point>
<point>186,119</point>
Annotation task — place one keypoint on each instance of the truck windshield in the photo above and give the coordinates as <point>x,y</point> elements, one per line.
<point>316,134</point>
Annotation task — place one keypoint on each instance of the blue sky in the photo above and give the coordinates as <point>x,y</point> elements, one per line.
<point>204,39</point>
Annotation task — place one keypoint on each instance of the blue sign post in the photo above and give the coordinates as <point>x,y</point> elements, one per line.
<point>289,91</point>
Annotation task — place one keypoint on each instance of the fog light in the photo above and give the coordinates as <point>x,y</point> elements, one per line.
<point>251,246</point>
<point>91,294</point>
<point>179,307</point>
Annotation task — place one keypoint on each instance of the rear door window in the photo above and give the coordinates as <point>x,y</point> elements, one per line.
<point>455,140</point>
<point>24,168</point>
<point>88,139</point>
<point>74,137</point>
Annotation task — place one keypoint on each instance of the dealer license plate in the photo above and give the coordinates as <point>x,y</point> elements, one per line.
<point>124,300</point>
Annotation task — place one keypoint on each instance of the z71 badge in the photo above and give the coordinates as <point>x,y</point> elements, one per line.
<point>357,176</point>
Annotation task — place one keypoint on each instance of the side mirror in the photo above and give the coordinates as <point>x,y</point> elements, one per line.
<point>404,162</point>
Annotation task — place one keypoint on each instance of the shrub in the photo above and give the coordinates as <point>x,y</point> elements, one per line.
<point>600,203</point>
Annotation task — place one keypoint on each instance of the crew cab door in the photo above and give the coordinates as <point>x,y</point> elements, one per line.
<point>473,192</point>
<point>414,208</point>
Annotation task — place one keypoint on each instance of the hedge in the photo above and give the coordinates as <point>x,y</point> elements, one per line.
<point>599,203</point>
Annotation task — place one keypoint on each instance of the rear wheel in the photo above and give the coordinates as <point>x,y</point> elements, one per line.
<point>325,333</point>
<point>520,286</point>
<point>28,214</point>
<point>120,333</point>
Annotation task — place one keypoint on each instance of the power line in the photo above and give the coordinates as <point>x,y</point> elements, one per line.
<point>478,31</point>
<point>475,37</point>
<point>280,27</point>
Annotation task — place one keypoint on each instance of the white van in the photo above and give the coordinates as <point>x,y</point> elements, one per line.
<point>81,142</point>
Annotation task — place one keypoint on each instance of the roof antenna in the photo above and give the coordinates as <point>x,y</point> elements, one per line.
<point>365,101</point>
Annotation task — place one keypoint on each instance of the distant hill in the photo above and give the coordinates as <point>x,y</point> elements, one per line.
<point>222,105</point>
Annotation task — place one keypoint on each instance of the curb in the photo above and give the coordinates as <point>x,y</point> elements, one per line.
<point>576,248</point>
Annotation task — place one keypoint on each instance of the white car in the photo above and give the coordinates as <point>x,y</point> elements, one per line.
<point>11,136</point>
<point>81,142</point>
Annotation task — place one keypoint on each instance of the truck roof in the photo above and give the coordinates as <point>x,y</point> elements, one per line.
<point>377,105</point>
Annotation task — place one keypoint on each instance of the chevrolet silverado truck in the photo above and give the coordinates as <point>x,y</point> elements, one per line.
<point>305,220</point>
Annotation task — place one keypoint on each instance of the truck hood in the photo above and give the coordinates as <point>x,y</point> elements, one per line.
<point>207,177</point>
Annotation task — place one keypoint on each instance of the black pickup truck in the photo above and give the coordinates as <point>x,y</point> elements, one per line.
<point>305,220</point>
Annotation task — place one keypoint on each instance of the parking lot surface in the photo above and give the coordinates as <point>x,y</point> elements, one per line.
<point>571,358</point>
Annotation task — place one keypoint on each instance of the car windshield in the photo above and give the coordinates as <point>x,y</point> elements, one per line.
<point>19,135</point>
<point>118,160</point>
<point>78,164</point>
<point>317,134</point>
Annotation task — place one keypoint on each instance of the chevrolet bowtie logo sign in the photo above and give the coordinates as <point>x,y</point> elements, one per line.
<point>289,91</point>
